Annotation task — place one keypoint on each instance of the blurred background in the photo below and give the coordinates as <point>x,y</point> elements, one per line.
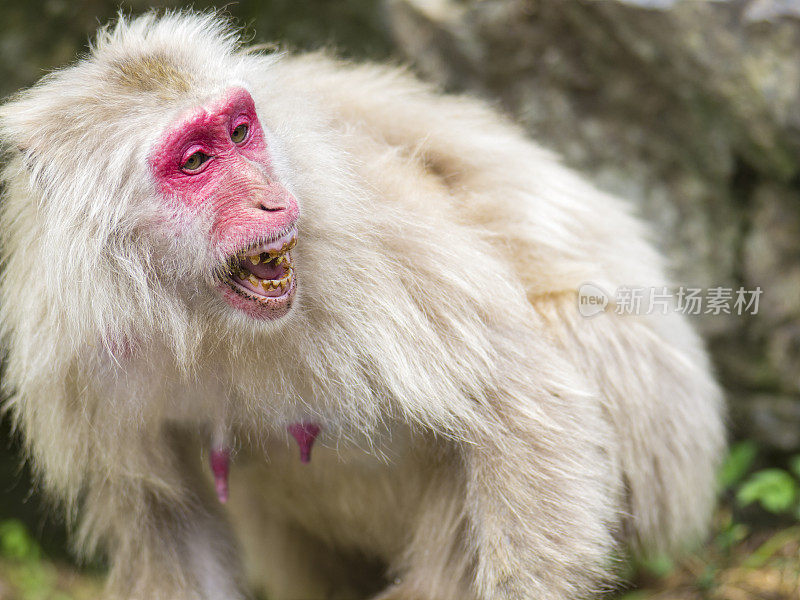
<point>690,109</point>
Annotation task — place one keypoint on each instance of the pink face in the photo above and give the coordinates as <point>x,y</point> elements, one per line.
<point>215,162</point>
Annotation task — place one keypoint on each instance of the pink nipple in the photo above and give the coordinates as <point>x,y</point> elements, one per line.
<point>305,434</point>
<point>220,467</point>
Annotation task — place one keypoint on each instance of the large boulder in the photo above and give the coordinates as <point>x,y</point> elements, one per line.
<point>690,109</point>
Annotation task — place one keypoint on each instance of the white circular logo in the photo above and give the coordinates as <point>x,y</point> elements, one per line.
<point>592,300</point>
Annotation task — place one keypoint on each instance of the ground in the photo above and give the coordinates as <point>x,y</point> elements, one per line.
<point>737,563</point>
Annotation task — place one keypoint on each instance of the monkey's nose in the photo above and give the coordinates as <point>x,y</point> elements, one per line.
<point>277,201</point>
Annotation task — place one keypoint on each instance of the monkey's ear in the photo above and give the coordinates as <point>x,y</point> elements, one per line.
<point>10,128</point>
<point>8,144</point>
<point>29,123</point>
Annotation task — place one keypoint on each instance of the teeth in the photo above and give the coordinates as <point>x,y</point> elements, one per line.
<point>283,249</point>
<point>272,284</point>
<point>267,283</point>
<point>278,258</point>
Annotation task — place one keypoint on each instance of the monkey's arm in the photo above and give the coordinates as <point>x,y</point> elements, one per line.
<point>599,432</point>
<point>530,508</point>
<point>542,487</point>
<point>620,448</point>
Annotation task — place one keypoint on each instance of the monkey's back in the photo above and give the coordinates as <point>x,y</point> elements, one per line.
<point>455,160</point>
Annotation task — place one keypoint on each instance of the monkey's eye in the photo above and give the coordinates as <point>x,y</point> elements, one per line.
<point>195,161</point>
<point>238,134</point>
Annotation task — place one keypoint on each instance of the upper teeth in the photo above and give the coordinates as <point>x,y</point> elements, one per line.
<point>279,256</point>
<point>268,255</point>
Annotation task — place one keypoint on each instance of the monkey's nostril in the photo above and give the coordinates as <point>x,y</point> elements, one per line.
<point>270,208</point>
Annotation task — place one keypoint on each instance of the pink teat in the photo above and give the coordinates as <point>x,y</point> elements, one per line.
<point>305,434</point>
<point>220,467</point>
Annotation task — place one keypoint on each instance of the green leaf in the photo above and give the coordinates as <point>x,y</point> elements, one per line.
<point>707,579</point>
<point>659,565</point>
<point>740,459</point>
<point>774,489</point>
<point>728,537</point>
<point>16,543</point>
<point>794,465</point>
<point>761,555</point>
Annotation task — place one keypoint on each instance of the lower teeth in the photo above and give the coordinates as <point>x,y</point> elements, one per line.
<point>267,284</point>
<point>274,285</point>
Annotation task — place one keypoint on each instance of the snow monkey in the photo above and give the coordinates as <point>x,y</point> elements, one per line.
<point>290,326</point>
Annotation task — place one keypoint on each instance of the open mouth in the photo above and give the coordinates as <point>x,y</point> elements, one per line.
<point>260,279</point>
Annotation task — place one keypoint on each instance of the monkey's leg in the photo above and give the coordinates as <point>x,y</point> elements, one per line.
<point>666,410</point>
<point>163,532</point>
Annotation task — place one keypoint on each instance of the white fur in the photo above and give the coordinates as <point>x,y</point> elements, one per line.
<point>479,437</point>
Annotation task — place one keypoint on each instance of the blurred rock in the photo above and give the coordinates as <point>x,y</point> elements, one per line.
<point>37,35</point>
<point>774,421</point>
<point>690,109</point>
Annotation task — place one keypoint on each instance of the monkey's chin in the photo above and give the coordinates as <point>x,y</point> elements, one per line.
<point>257,306</point>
